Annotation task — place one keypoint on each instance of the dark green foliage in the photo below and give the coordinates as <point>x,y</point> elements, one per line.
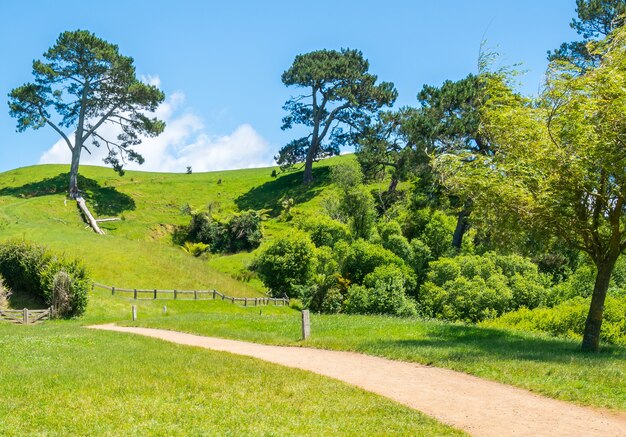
<point>286,264</point>
<point>241,232</point>
<point>32,269</point>
<point>363,257</point>
<point>474,288</point>
<point>341,98</point>
<point>384,291</point>
<point>324,231</point>
<point>568,319</point>
<point>581,283</point>
<point>244,231</point>
<point>438,233</point>
<point>88,84</point>
<point>596,20</point>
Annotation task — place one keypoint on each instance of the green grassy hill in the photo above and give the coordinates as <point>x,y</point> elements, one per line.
<point>137,251</point>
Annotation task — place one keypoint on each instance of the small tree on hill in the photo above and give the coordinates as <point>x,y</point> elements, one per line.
<point>88,84</point>
<point>341,98</point>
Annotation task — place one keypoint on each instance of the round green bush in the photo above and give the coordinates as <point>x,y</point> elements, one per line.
<point>286,264</point>
<point>363,257</point>
<point>324,231</point>
<point>384,291</point>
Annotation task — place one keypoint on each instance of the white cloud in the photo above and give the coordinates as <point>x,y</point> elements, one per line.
<point>184,142</point>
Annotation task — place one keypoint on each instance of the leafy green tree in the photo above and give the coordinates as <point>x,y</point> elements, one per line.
<point>560,167</point>
<point>88,84</point>
<point>355,202</point>
<point>449,122</point>
<point>596,20</point>
<point>340,100</point>
<point>287,264</point>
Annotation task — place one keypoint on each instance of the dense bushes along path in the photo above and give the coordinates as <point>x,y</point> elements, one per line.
<point>480,407</point>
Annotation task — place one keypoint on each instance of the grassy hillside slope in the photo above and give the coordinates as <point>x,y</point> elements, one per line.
<point>137,251</point>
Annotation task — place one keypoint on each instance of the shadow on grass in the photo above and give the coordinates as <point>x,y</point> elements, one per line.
<point>104,200</point>
<point>269,195</point>
<point>20,300</point>
<point>462,343</point>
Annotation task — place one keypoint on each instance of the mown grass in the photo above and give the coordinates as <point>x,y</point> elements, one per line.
<point>60,379</point>
<point>552,367</point>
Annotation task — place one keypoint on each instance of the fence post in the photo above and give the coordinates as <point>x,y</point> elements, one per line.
<point>175,294</point>
<point>50,313</point>
<point>155,294</point>
<point>245,302</point>
<point>256,301</point>
<point>164,309</point>
<point>306,325</point>
<point>112,291</point>
<point>213,294</point>
<point>134,313</point>
<point>135,294</point>
<point>25,316</point>
<point>195,295</point>
<point>233,300</point>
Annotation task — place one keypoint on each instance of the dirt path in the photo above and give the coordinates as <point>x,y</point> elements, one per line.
<point>480,407</point>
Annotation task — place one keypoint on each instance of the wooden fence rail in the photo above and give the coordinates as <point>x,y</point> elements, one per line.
<point>153,294</point>
<point>26,316</point>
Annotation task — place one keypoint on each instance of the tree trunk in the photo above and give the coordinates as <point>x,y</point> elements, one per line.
<point>73,187</point>
<point>591,335</point>
<point>308,165</point>
<point>392,185</point>
<point>461,227</point>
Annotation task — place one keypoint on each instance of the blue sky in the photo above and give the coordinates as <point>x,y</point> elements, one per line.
<point>220,63</point>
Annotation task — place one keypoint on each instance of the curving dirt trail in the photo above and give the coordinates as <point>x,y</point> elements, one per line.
<point>477,406</point>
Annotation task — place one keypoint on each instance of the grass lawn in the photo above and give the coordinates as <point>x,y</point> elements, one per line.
<point>549,366</point>
<point>61,379</point>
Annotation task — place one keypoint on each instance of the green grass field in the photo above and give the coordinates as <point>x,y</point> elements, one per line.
<point>552,367</point>
<point>60,379</point>
<point>132,385</point>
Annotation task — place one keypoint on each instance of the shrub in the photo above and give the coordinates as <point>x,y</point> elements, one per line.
<point>244,231</point>
<point>324,231</point>
<point>195,249</point>
<point>568,319</point>
<point>333,301</point>
<point>420,257</point>
<point>241,232</point>
<point>4,295</point>
<point>473,288</point>
<point>363,257</point>
<point>438,234</point>
<point>32,269</point>
<point>355,202</point>
<point>383,292</point>
<point>61,290</point>
<point>286,263</point>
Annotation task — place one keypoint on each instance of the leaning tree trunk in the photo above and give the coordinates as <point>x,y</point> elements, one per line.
<point>591,335</point>
<point>461,227</point>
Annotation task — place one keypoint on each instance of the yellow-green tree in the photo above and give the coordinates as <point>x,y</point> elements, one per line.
<point>559,167</point>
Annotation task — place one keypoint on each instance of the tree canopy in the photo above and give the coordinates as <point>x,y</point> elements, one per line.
<point>340,101</point>
<point>558,166</point>
<point>596,20</point>
<point>82,84</point>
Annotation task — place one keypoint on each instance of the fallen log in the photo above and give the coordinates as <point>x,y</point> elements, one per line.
<point>90,219</point>
<point>112,219</point>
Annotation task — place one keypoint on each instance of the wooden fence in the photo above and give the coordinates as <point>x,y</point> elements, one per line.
<point>25,316</point>
<point>153,294</point>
